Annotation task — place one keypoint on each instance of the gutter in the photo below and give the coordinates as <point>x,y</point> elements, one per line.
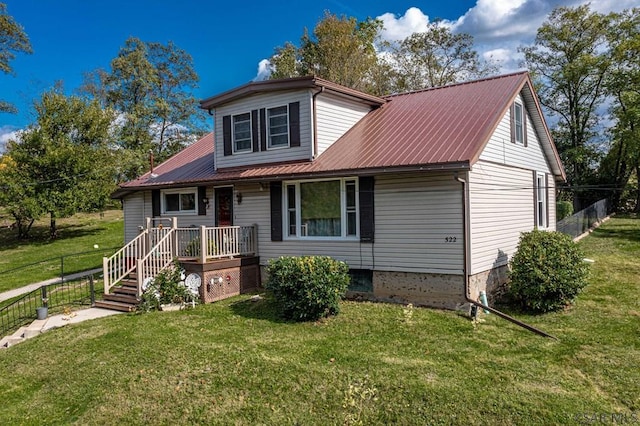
<point>466,257</point>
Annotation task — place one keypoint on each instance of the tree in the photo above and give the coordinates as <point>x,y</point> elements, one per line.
<point>60,165</point>
<point>340,49</point>
<point>437,57</point>
<point>569,62</point>
<point>623,85</point>
<point>150,85</point>
<point>13,40</point>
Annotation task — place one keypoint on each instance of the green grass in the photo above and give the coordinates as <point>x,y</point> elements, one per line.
<point>76,239</point>
<point>234,362</point>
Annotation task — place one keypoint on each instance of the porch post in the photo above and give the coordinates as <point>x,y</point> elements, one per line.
<point>147,239</point>
<point>254,239</point>
<point>203,244</point>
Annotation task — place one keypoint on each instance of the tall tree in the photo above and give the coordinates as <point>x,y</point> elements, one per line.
<point>13,40</point>
<point>437,57</point>
<point>62,164</point>
<point>569,60</point>
<point>623,84</point>
<point>339,49</point>
<point>151,86</point>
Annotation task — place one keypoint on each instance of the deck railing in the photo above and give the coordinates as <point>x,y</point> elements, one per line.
<point>156,247</point>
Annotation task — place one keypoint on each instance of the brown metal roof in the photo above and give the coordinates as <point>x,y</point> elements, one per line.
<point>443,128</point>
<point>267,86</point>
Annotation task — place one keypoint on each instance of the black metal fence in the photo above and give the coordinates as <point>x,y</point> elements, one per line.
<point>579,223</point>
<point>54,296</point>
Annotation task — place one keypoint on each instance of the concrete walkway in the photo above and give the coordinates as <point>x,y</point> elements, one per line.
<point>53,321</point>
<point>29,288</point>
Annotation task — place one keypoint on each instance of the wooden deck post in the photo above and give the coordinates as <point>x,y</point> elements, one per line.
<point>203,244</point>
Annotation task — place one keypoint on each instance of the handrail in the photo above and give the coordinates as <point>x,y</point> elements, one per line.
<point>122,262</point>
<point>159,257</point>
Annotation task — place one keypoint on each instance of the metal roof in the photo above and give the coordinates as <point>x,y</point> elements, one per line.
<point>443,128</point>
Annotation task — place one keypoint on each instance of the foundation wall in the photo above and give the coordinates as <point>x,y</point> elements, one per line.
<point>225,278</point>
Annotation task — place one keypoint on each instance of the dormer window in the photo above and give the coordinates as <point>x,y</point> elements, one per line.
<point>242,132</point>
<point>278,131</point>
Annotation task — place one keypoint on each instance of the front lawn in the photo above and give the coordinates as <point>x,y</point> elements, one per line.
<point>234,362</point>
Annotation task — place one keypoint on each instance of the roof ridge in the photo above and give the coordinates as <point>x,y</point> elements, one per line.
<point>462,83</point>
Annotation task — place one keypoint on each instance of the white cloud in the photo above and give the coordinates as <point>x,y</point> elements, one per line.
<point>264,70</point>
<point>400,27</point>
<point>7,133</point>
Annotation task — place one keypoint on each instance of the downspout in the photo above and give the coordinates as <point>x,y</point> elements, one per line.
<point>315,123</point>
<point>465,269</point>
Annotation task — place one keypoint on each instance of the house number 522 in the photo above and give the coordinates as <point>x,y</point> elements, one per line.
<point>450,239</point>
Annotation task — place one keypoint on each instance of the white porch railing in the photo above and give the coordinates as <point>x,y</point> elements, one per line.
<point>156,248</point>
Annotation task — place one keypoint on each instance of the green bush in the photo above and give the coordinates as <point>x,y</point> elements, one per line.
<point>165,288</point>
<point>309,287</point>
<point>564,209</point>
<point>547,271</point>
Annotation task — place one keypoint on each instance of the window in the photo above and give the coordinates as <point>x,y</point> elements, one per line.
<point>518,124</point>
<point>242,132</point>
<point>179,201</point>
<point>278,127</point>
<point>322,208</point>
<point>541,200</point>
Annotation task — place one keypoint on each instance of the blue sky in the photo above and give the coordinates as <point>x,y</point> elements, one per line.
<point>227,40</point>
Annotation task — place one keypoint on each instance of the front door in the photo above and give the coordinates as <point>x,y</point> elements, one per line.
<point>224,206</point>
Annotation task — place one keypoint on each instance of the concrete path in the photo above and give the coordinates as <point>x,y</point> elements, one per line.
<point>54,321</point>
<point>28,288</point>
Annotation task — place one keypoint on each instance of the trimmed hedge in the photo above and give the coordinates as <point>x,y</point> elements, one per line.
<point>307,288</point>
<point>547,271</point>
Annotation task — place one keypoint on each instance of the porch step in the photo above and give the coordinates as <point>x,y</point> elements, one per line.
<point>115,306</point>
<point>124,298</point>
<point>132,291</point>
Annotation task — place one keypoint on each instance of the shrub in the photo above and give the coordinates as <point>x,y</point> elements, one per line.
<point>547,271</point>
<point>165,288</point>
<point>564,209</point>
<point>309,287</point>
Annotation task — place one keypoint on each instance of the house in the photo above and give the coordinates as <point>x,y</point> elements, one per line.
<point>423,194</point>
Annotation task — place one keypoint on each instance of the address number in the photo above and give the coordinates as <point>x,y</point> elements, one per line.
<point>450,239</point>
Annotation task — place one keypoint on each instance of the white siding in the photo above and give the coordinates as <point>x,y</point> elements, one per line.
<point>303,152</point>
<point>552,203</point>
<point>135,210</point>
<point>501,150</point>
<point>334,117</point>
<point>414,217</point>
<point>501,207</point>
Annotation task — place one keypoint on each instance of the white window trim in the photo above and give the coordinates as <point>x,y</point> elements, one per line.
<point>233,134</point>
<point>522,123</point>
<point>343,211</point>
<point>163,204</point>
<point>541,198</point>
<point>268,128</point>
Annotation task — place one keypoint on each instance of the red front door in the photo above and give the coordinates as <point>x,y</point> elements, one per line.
<point>224,206</point>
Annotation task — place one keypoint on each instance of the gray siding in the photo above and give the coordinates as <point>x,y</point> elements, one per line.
<point>500,150</point>
<point>135,210</point>
<point>303,152</point>
<point>414,217</point>
<point>501,207</point>
<point>334,117</point>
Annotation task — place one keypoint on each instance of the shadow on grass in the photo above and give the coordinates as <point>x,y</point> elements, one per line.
<point>39,236</point>
<point>263,308</point>
<point>620,231</point>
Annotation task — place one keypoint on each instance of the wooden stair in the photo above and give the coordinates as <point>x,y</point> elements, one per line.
<point>122,298</point>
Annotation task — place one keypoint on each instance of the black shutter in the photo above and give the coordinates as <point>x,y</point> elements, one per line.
<point>263,130</point>
<point>276,211</point>
<point>367,228</point>
<point>294,124</point>
<point>254,130</point>
<point>226,134</point>
<point>155,202</point>
<point>202,194</point>
<point>524,126</point>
